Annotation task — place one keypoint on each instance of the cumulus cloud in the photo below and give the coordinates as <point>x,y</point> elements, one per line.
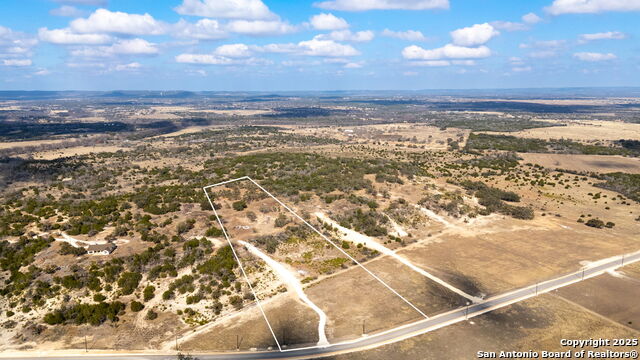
<point>347,35</point>
<point>121,47</point>
<point>105,21</point>
<point>328,22</point>
<point>17,62</point>
<point>260,27</point>
<point>364,5</point>
<point>233,51</point>
<point>212,59</point>
<point>16,47</point>
<point>66,36</point>
<point>593,56</point>
<point>559,7</point>
<point>610,35</point>
<point>474,35</point>
<point>203,29</point>
<point>531,18</point>
<point>328,48</point>
<point>449,51</point>
<point>226,9</point>
<point>67,10</point>
<point>409,35</point>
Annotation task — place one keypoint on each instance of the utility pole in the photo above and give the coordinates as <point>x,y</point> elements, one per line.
<point>536,289</point>
<point>583,273</point>
<point>85,344</point>
<point>237,342</point>
<point>364,332</point>
<point>622,259</point>
<point>176,335</point>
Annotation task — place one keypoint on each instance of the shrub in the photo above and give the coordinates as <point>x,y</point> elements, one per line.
<point>239,205</point>
<point>151,315</point>
<point>596,223</point>
<point>136,306</point>
<point>149,293</point>
<point>99,298</point>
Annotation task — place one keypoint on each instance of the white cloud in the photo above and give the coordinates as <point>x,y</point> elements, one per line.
<point>134,46</point>
<point>328,22</point>
<point>559,7</point>
<point>122,47</point>
<point>610,35</point>
<point>227,9</point>
<point>432,63</point>
<point>211,59</point>
<point>531,18</point>
<point>128,67</point>
<point>16,47</point>
<point>474,35</point>
<point>544,44</point>
<point>409,35</point>
<point>203,29</point>
<point>364,5</point>
<point>233,51</point>
<point>260,27</point>
<point>207,59</point>
<point>448,51</point>
<point>84,2</point>
<point>42,72</point>
<point>67,10</point>
<point>66,36</point>
<point>280,48</point>
<point>17,62</point>
<point>105,21</point>
<point>326,48</point>
<point>521,69</point>
<point>593,56</point>
<point>354,65</point>
<point>347,35</point>
<point>509,26</point>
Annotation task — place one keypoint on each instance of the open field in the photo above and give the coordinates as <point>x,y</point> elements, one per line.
<point>586,163</point>
<point>584,131</point>
<point>535,324</point>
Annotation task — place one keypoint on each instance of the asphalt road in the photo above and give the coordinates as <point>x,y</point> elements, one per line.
<point>396,334</point>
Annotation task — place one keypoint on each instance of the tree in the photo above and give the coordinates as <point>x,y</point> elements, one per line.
<point>129,281</point>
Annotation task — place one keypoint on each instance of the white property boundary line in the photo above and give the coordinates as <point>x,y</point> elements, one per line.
<point>316,231</point>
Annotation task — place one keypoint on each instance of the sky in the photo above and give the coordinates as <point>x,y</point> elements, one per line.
<point>278,45</point>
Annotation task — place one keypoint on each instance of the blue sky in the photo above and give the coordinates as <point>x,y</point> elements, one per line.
<point>317,45</point>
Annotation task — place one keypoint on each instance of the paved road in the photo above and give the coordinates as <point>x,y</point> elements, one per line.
<point>401,333</point>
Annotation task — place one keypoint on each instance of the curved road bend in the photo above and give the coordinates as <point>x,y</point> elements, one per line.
<point>393,335</point>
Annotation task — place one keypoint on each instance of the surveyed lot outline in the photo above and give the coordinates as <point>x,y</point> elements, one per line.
<point>224,231</point>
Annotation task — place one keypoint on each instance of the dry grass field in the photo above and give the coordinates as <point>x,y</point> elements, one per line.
<point>535,324</point>
<point>587,163</point>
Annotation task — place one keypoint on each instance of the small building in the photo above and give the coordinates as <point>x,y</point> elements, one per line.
<point>101,249</point>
